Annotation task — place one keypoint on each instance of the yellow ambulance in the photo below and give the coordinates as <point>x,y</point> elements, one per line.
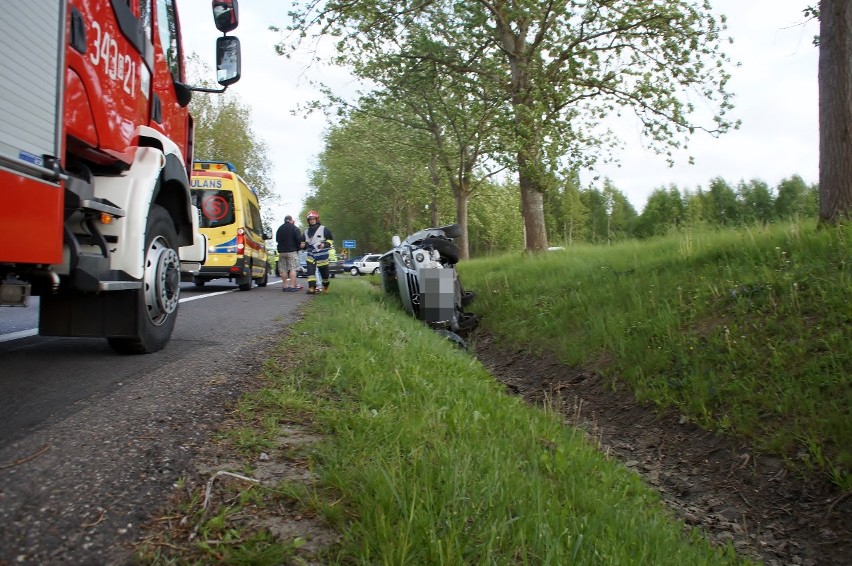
<point>230,218</point>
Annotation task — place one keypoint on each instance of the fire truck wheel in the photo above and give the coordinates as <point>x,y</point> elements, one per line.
<point>158,299</point>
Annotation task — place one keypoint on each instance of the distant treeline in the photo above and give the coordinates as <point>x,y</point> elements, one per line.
<point>592,215</point>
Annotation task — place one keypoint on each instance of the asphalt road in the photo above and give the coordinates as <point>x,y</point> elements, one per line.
<point>92,442</point>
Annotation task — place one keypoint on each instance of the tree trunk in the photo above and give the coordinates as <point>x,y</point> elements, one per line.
<point>526,131</point>
<point>835,111</point>
<point>532,207</point>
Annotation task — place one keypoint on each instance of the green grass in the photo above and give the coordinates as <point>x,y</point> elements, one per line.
<point>745,331</point>
<point>425,460</point>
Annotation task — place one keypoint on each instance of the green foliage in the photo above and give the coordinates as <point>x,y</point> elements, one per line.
<point>743,330</point>
<point>543,74</point>
<point>495,222</point>
<point>372,181</point>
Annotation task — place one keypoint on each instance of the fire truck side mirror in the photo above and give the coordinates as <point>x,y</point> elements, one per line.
<point>227,60</point>
<point>226,15</point>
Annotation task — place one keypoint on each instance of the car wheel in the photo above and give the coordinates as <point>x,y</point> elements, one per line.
<point>468,321</point>
<point>375,271</point>
<point>354,272</point>
<point>467,298</point>
<point>199,282</point>
<point>446,248</point>
<point>452,231</point>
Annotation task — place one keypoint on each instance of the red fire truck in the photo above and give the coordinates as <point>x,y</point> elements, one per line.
<point>96,216</point>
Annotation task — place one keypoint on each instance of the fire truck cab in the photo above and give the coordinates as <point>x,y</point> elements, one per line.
<point>95,154</point>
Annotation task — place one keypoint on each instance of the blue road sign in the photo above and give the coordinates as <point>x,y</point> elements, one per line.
<point>349,244</point>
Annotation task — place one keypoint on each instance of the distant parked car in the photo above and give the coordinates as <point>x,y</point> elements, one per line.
<point>347,265</point>
<point>367,265</point>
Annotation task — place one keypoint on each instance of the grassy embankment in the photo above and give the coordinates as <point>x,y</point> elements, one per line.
<point>424,460</point>
<point>745,331</point>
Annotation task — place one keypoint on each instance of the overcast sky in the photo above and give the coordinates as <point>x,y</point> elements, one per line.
<point>775,90</point>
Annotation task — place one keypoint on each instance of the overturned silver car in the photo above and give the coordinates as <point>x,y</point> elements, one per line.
<point>421,271</point>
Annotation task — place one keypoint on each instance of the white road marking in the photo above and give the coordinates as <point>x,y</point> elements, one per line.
<point>204,296</point>
<point>34,331</point>
<point>18,335</point>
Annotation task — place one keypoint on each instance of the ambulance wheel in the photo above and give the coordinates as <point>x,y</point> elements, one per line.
<point>262,281</point>
<point>244,283</point>
<point>157,300</point>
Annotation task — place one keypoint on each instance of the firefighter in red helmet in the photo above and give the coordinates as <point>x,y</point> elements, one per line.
<point>317,241</point>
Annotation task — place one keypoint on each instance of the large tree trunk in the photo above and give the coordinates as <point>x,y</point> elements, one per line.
<point>514,44</point>
<point>835,111</point>
<point>532,208</point>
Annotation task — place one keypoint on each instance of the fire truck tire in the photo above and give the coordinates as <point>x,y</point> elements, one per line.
<point>158,298</point>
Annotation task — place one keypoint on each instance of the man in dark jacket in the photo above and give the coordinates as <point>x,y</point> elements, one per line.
<point>289,240</point>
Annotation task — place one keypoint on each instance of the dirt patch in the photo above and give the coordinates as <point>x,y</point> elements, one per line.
<point>711,482</point>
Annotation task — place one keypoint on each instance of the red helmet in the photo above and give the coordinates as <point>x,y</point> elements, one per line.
<point>313,214</point>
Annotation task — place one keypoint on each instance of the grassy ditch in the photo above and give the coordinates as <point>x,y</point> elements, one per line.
<point>744,331</point>
<point>419,458</point>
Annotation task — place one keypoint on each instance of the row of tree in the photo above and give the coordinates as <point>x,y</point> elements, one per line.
<point>470,89</point>
<point>494,85</point>
<point>604,215</point>
<point>376,178</point>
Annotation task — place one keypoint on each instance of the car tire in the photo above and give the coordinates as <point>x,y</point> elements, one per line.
<point>452,231</point>
<point>448,250</point>
<point>354,272</point>
<point>468,321</point>
<point>467,298</point>
<point>199,282</point>
<point>376,271</point>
